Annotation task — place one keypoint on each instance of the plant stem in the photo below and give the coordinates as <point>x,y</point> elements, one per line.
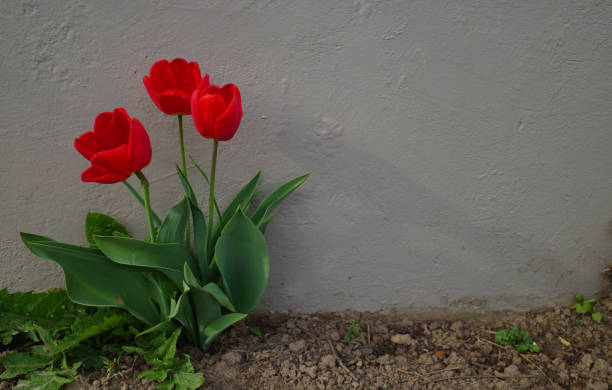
<point>182,144</point>
<point>184,166</point>
<point>147,201</point>
<point>211,195</point>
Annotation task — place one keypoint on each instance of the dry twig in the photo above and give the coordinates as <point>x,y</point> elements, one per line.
<point>339,360</point>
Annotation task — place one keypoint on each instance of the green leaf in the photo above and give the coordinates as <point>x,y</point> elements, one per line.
<point>207,182</point>
<point>242,199</point>
<point>168,258</point>
<point>219,295</point>
<point>102,225</point>
<point>20,311</point>
<point>172,229</point>
<point>19,363</point>
<point>92,279</point>
<point>271,201</point>
<point>199,228</point>
<point>51,379</point>
<point>140,200</point>
<point>242,258</point>
<point>188,380</point>
<point>87,327</point>
<point>218,326</point>
<point>596,317</point>
<point>579,298</point>
<point>158,375</point>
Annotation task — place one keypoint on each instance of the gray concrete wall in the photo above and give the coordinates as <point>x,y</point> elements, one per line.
<point>460,150</point>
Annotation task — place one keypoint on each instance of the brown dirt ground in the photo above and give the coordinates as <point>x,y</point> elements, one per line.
<point>310,352</point>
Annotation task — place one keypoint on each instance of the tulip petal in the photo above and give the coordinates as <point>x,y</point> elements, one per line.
<point>112,128</point>
<point>153,93</point>
<point>161,76</point>
<point>211,107</point>
<point>229,91</point>
<point>227,125</point>
<point>99,175</point>
<point>175,102</point>
<point>87,144</point>
<point>183,75</point>
<point>114,161</point>
<point>139,147</point>
<point>205,83</point>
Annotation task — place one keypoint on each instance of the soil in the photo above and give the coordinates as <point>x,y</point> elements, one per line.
<point>396,352</point>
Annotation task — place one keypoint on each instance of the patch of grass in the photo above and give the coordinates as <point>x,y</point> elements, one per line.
<point>62,337</point>
<point>520,340</point>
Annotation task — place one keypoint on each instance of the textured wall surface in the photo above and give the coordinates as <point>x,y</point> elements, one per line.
<point>460,150</point>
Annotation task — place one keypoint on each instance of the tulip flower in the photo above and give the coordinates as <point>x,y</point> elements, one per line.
<point>117,147</point>
<point>217,111</point>
<point>171,84</point>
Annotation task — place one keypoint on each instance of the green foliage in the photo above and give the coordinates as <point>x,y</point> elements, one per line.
<point>160,350</point>
<point>586,307</point>
<point>520,340</point>
<point>102,225</point>
<point>161,281</point>
<point>353,329</point>
<point>67,336</point>
<point>262,337</point>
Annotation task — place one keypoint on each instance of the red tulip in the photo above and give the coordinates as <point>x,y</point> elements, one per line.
<point>117,147</point>
<point>217,111</point>
<point>170,85</point>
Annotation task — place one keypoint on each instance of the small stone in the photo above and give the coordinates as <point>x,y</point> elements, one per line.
<point>600,367</point>
<point>384,359</point>
<point>232,357</point>
<point>334,335</point>
<point>402,339</point>
<point>327,361</point>
<point>310,371</point>
<point>586,362</point>
<point>597,386</point>
<point>297,346</point>
<point>512,370</point>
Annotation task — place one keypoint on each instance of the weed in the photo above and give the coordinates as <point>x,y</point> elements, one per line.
<point>520,340</point>
<point>585,307</point>
<point>66,337</point>
<point>352,330</point>
<point>262,337</point>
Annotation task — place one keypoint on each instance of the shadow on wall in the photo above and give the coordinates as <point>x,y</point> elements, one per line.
<point>403,246</point>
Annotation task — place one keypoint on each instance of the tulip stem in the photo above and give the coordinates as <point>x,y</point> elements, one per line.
<point>147,202</point>
<point>184,166</point>
<point>182,144</point>
<point>211,196</point>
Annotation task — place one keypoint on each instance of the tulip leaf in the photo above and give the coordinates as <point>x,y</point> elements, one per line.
<point>165,327</point>
<point>168,258</point>
<point>173,227</point>
<point>92,279</point>
<point>199,228</point>
<point>207,182</point>
<point>242,200</point>
<point>218,326</point>
<point>271,201</point>
<point>102,225</point>
<point>216,291</point>
<point>242,259</point>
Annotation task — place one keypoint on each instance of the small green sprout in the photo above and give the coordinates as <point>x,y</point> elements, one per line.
<point>262,337</point>
<point>352,331</point>
<point>520,340</point>
<point>586,306</point>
